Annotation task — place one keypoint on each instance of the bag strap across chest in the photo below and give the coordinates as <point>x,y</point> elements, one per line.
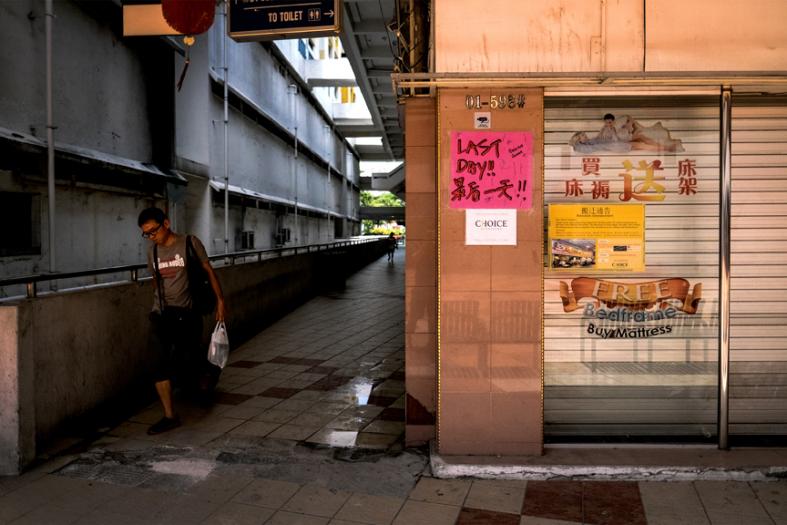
<point>158,278</point>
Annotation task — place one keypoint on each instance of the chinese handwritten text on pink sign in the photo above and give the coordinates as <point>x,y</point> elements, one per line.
<point>491,169</point>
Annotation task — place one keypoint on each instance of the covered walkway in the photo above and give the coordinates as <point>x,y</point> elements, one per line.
<point>317,397</point>
<point>307,429</point>
<point>329,373</point>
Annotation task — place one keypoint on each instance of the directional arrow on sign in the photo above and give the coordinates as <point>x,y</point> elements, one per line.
<point>329,14</point>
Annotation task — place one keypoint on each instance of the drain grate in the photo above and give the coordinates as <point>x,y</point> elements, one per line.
<point>124,475</point>
<point>114,473</point>
<point>80,469</point>
<point>130,468</point>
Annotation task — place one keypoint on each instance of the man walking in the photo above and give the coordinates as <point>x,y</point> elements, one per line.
<point>176,330</point>
<point>392,245</point>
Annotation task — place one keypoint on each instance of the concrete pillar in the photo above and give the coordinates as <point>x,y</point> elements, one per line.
<point>17,409</point>
<point>490,360</point>
<point>421,263</point>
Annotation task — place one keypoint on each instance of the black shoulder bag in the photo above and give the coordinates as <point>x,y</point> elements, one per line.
<point>158,280</point>
<point>203,300</point>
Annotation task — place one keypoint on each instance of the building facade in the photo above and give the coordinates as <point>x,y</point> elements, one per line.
<point>632,157</point>
<point>127,138</point>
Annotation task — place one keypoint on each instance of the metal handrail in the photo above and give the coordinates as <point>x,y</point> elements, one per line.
<point>30,281</point>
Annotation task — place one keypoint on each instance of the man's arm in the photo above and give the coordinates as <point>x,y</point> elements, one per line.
<point>214,283</point>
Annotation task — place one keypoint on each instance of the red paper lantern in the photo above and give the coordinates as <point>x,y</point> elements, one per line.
<point>190,17</point>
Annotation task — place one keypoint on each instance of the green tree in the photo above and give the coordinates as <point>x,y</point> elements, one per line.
<point>383,199</point>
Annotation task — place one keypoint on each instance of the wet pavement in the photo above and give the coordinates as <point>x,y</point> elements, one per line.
<point>307,428</point>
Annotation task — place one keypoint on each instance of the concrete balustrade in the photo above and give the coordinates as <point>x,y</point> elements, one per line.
<point>66,355</point>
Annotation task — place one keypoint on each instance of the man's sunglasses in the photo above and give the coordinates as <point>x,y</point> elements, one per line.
<point>150,233</point>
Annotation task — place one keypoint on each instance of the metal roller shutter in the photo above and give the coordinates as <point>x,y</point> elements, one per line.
<point>651,388</point>
<point>758,310</point>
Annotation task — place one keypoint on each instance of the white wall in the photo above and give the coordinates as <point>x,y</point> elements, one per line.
<point>95,228</point>
<point>99,87</point>
<point>548,36</point>
<point>106,98</point>
<point>192,106</point>
<point>255,73</point>
<point>734,35</point>
<point>610,35</point>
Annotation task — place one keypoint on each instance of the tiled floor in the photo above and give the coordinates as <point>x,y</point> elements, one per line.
<point>307,430</point>
<point>330,373</point>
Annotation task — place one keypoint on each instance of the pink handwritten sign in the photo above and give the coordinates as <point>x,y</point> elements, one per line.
<point>491,169</point>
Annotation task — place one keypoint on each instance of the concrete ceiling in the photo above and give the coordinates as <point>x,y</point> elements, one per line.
<point>371,49</point>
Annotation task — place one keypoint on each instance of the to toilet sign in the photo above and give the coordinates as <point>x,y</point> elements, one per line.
<point>272,19</point>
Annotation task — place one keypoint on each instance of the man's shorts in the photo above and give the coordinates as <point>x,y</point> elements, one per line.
<point>176,339</point>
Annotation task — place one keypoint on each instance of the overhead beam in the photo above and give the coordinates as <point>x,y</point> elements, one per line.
<point>380,73</point>
<point>370,26</point>
<point>382,212</point>
<point>369,149</point>
<point>373,52</point>
<point>351,130</point>
<point>353,53</point>
<point>331,82</point>
<point>380,156</point>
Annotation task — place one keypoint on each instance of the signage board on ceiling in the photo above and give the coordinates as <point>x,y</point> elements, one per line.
<point>272,19</point>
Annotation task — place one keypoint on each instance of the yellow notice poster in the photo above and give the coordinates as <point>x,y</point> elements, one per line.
<point>607,237</point>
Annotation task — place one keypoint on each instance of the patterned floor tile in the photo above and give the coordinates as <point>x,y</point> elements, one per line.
<point>445,491</point>
<point>285,360</point>
<point>276,415</point>
<point>244,364</point>
<point>612,503</point>
<point>267,493</point>
<point>497,495</point>
<point>325,370</point>
<point>317,501</point>
<point>370,509</point>
<point>334,438</point>
<point>380,401</point>
<point>226,398</point>
<point>375,441</point>
<point>560,500</point>
<point>470,516</point>
<point>392,414</point>
<point>254,428</point>
<point>379,426</point>
<point>425,513</point>
<point>293,432</point>
<point>280,392</point>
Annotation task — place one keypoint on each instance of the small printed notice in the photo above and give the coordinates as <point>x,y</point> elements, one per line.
<point>597,237</point>
<point>490,227</point>
<point>482,120</point>
<point>491,170</point>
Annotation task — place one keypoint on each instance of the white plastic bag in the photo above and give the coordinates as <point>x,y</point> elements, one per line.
<point>219,348</point>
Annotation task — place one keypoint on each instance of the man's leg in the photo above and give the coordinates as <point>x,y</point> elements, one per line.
<point>164,389</point>
<point>161,340</point>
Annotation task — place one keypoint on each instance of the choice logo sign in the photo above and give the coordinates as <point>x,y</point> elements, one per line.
<point>635,306</point>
